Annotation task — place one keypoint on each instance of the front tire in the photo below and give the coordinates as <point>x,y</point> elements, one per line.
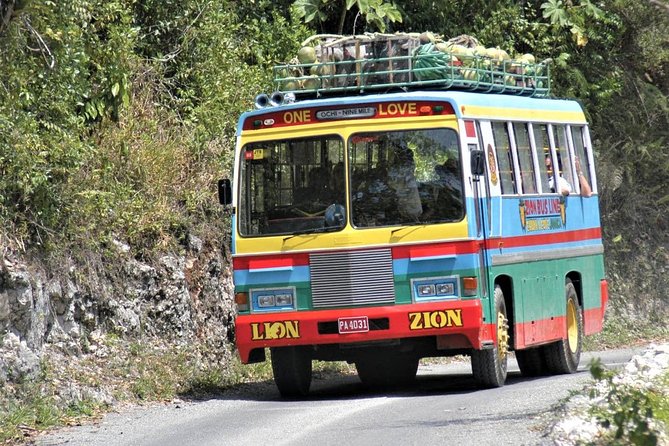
<point>490,366</point>
<point>292,371</point>
<point>562,357</point>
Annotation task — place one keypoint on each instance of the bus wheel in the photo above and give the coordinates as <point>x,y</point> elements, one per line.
<point>490,366</point>
<point>563,356</point>
<point>387,370</point>
<point>291,367</point>
<point>531,362</point>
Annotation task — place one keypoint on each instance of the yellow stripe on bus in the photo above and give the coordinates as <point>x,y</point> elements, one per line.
<point>533,115</point>
<point>349,127</point>
<point>352,238</point>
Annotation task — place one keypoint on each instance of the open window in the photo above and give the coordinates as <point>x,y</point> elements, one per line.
<point>543,153</point>
<point>525,162</point>
<point>504,158</point>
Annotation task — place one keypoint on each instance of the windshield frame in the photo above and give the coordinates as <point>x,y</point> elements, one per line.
<point>422,167</point>
<point>290,162</point>
<point>345,214</point>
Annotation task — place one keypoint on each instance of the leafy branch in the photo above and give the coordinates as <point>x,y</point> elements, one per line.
<point>376,12</point>
<point>566,15</point>
<point>660,4</point>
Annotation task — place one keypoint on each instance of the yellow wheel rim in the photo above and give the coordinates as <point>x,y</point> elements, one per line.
<point>572,325</point>
<point>502,335</point>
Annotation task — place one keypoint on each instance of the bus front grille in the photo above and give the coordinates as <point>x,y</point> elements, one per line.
<point>350,279</point>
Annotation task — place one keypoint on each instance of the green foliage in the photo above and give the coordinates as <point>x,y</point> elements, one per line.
<point>31,406</point>
<point>574,17</point>
<point>117,117</point>
<point>620,330</point>
<point>377,13</point>
<point>628,411</point>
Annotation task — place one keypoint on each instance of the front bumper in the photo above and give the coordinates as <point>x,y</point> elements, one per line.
<point>464,317</point>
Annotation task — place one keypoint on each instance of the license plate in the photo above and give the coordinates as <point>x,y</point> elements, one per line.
<point>357,324</point>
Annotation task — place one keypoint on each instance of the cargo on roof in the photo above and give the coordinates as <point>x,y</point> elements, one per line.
<point>349,65</point>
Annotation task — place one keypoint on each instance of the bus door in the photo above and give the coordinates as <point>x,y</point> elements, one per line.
<point>490,199</point>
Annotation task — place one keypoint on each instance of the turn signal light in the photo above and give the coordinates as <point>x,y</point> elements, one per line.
<point>242,301</point>
<point>469,286</point>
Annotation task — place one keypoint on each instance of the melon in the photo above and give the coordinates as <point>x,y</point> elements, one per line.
<point>306,54</point>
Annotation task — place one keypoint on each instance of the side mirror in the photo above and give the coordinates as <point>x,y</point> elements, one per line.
<point>224,191</point>
<point>477,162</point>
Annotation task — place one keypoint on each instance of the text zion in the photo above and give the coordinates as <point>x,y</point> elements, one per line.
<point>425,320</point>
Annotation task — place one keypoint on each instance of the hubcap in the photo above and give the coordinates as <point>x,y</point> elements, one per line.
<point>572,326</point>
<point>502,335</point>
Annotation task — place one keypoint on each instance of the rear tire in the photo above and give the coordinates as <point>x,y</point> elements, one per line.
<point>531,362</point>
<point>387,370</point>
<point>490,366</point>
<point>292,370</point>
<point>562,357</point>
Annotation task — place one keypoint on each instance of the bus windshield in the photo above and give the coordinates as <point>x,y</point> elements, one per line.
<point>405,178</point>
<point>295,186</point>
<point>287,185</point>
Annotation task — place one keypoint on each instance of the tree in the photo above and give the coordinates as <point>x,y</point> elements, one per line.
<point>375,12</point>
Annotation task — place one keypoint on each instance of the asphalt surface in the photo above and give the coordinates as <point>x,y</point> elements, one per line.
<point>443,407</point>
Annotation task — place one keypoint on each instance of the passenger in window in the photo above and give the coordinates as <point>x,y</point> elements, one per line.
<point>586,190</point>
<point>446,201</point>
<point>401,178</point>
<point>373,198</point>
<point>564,187</point>
<point>449,175</point>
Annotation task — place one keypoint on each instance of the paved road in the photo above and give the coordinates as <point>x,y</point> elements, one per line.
<point>444,407</point>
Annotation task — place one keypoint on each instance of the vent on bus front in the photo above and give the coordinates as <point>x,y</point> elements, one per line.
<point>357,278</point>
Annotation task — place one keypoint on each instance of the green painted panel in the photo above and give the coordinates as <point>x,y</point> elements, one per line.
<point>539,287</point>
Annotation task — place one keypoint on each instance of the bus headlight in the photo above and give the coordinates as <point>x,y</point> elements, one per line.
<point>426,290</point>
<point>273,299</point>
<point>283,300</point>
<point>266,300</point>
<point>436,288</point>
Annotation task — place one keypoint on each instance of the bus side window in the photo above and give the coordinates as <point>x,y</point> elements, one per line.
<point>529,184</point>
<point>581,156</point>
<point>504,157</point>
<point>540,133</point>
<point>564,157</point>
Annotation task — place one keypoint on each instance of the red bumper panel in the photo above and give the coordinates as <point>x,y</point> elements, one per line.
<point>594,317</point>
<point>394,322</point>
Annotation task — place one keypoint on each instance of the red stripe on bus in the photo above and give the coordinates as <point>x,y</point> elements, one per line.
<point>427,250</point>
<point>545,239</point>
<point>539,332</point>
<point>436,249</point>
<point>270,261</point>
<point>469,129</point>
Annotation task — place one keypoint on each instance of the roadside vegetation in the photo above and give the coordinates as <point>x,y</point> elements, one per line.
<point>118,116</point>
<point>124,372</point>
<point>634,413</point>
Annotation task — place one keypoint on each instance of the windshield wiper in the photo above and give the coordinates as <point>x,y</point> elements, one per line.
<point>413,227</point>
<point>313,231</point>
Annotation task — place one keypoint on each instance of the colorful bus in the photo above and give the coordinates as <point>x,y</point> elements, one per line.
<point>383,228</point>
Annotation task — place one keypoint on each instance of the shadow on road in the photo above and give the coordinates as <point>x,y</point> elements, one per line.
<point>340,386</point>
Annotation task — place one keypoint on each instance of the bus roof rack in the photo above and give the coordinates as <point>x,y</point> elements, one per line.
<point>356,65</point>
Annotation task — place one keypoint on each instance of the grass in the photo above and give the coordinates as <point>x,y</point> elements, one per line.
<point>133,372</point>
<point>620,332</point>
<point>660,403</point>
<point>31,406</point>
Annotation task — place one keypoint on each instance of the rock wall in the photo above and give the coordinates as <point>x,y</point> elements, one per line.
<point>183,298</point>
